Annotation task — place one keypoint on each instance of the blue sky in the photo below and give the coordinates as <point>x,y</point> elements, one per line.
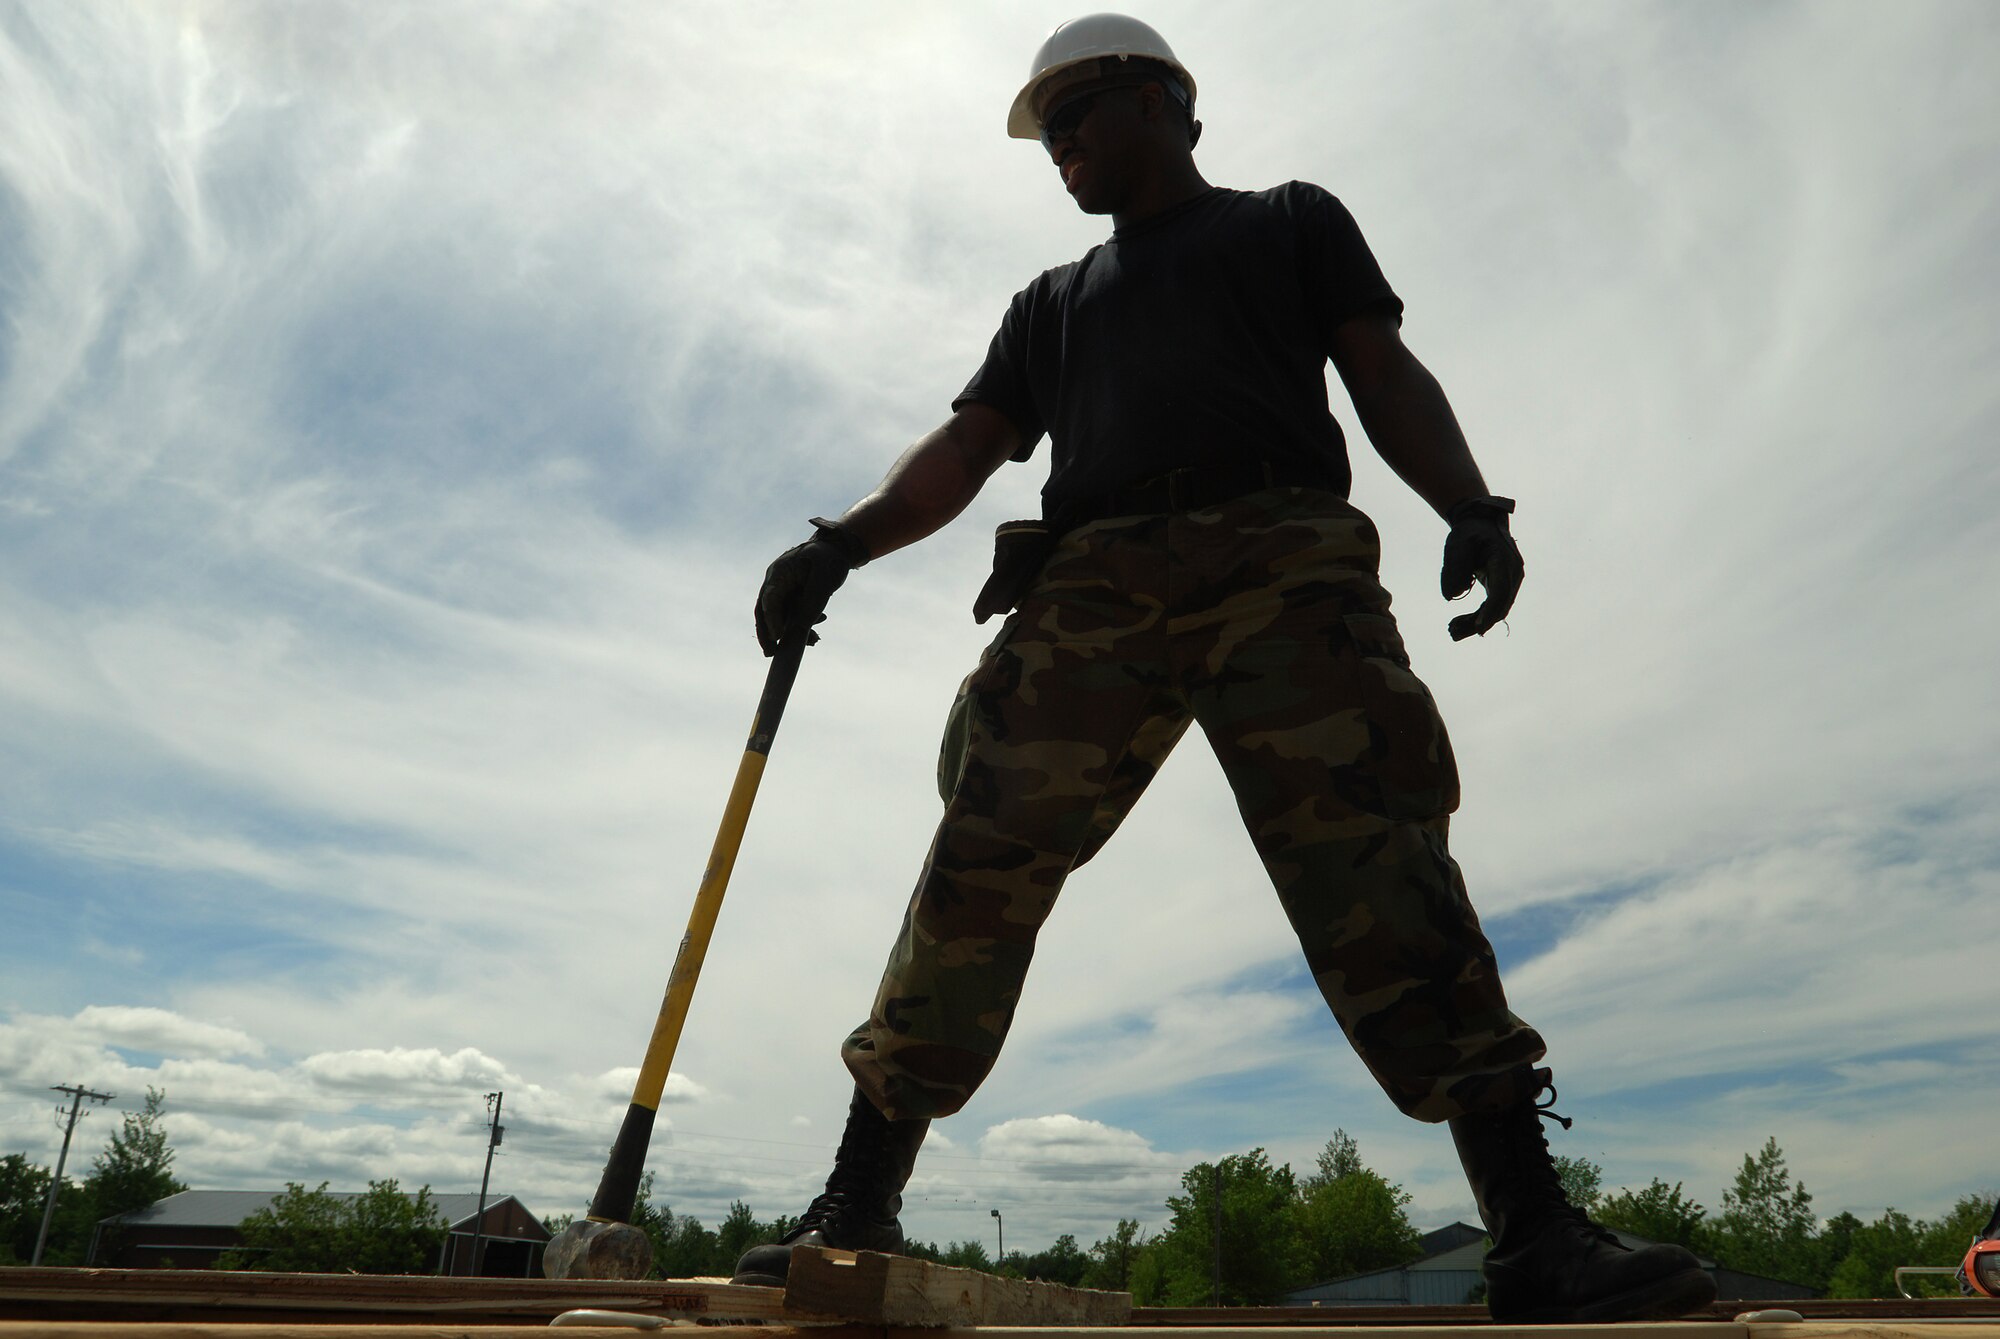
<point>398,407</point>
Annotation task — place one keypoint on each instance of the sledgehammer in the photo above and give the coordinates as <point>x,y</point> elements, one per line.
<point>605,1245</point>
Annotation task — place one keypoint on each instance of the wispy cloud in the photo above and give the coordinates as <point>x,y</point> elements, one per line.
<point>397,407</point>
<point>162,1030</point>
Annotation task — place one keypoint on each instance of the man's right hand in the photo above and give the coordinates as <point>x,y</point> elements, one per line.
<point>801,581</point>
<point>1481,548</point>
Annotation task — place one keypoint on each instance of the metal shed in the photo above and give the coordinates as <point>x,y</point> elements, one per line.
<point>189,1230</point>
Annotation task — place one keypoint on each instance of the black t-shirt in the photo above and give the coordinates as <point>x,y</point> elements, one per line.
<point>1195,338</point>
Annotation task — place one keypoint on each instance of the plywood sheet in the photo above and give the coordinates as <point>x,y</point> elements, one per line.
<point>871,1288</point>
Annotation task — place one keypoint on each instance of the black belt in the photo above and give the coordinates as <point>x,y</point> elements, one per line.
<point>1191,489</point>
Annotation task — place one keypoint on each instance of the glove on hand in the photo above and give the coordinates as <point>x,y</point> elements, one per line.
<point>1480,547</point>
<point>798,585</point>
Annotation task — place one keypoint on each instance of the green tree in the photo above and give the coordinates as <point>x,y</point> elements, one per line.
<point>1767,1224</point>
<point>24,1190</point>
<point>70,1230</point>
<point>1112,1258</point>
<point>135,1169</point>
<point>132,1171</point>
<point>1341,1157</point>
<point>297,1232</point>
<point>1349,1218</point>
<point>1873,1254</point>
<point>737,1233</point>
<point>1831,1244</point>
<point>381,1231</point>
<point>1259,1244</point>
<point>1952,1234</point>
<point>384,1231</point>
<point>1148,1276</point>
<point>1658,1213</point>
<point>682,1247</point>
<point>1869,1254</point>
<point>1064,1262</point>
<point>966,1255</point>
<point>1582,1180</point>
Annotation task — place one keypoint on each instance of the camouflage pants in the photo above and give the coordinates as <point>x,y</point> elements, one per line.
<point>1262,619</point>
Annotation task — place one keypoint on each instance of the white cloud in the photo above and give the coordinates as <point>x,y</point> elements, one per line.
<point>388,1074</point>
<point>395,413</point>
<point>617,1084</point>
<point>1756,961</point>
<point>1066,1148</point>
<point>147,1029</point>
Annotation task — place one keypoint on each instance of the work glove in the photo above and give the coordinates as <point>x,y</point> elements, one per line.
<point>798,585</point>
<point>1480,548</point>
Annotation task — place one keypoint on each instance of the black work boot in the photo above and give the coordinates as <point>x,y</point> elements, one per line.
<point>1549,1263</point>
<point>857,1211</point>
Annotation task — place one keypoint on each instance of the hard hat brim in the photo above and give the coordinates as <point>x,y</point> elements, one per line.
<point>1088,41</point>
<point>1025,122</point>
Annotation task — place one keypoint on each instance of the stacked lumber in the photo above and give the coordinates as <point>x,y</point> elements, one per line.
<point>201,1295</point>
<point>830,1295</point>
<point>826,1288</point>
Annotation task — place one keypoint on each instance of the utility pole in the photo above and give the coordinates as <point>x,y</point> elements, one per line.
<point>1215,1193</point>
<point>494,1130</point>
<point>76,1097</point>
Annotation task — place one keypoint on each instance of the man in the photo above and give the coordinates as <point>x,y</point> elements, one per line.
<point>1200,562</point>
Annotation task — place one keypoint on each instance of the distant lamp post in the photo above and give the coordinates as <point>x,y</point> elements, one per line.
<point>1003,1235</point>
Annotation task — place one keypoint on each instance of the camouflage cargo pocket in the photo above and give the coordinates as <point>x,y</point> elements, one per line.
<point>1408,750</point>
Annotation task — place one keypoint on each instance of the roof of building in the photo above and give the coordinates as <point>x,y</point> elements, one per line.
<point>1449,1238</point>
<point>228,1208</point>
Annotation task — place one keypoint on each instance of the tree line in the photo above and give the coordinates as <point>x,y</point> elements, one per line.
<point>1766,1225</point>
<point>382,1231</point>
<point>134,1168</point>
<point>1245,1232</point>
<point>1242,1231</point>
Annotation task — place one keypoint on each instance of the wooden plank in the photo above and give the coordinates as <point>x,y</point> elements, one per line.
<point>159,1294</point>
<point>55,1295</point>
<point>1628,1330</point>
<point>1876,1310</point>
<point>220,1329</point>
<point>1206,1316</point>
<point>1625,1330</point>
<point>1858,1310</point>
<point>877,1289</point>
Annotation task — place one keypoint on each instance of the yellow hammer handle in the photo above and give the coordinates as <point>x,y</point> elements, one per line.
<point>701,926</point>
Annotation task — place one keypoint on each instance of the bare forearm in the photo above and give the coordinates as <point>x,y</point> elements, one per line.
<point>1410,424</point>
<point>931,483</point>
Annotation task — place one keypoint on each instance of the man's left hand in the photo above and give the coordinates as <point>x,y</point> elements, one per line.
<point>1480,548</point>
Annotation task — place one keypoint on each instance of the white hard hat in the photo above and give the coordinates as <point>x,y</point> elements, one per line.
<point>1075,53</point>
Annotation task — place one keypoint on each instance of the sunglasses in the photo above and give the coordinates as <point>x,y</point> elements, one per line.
<point>1064,118</point>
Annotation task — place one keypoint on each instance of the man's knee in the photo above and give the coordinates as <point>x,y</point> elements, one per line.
<point>912,1080</point>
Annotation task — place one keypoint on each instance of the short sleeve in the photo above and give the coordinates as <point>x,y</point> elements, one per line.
<point>1002,380</point>
<point>1340,274</point>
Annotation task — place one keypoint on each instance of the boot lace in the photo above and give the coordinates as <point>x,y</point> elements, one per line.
<point>1546,1183</point>
<point>859,1169</point>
